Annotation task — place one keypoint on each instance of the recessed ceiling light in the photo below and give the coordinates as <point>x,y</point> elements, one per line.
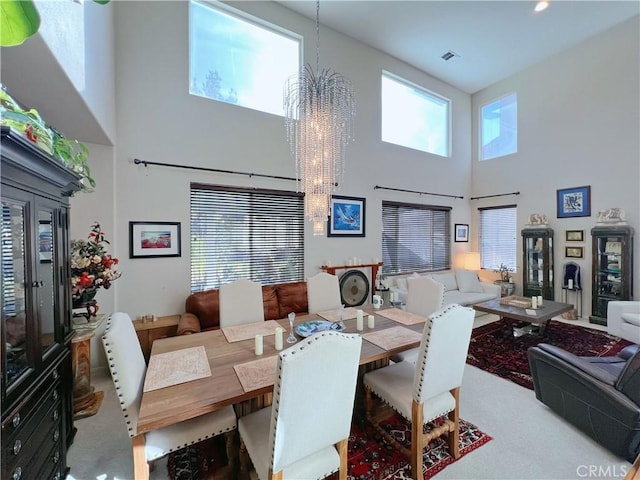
<point>540,6</point>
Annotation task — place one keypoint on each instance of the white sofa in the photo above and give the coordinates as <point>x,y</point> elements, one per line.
<point>623,320</point>
<point>460,286</point>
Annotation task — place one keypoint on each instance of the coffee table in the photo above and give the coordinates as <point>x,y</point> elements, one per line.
<point>543,314</point>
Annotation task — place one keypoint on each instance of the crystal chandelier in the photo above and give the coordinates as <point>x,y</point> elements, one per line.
<point>319,110</point>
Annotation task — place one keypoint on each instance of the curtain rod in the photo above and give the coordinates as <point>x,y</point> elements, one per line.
<point>414,191</point>
<point>137,161</point>
<point>498,195</point>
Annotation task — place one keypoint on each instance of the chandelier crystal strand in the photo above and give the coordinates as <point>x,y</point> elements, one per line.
<point>319,112</point>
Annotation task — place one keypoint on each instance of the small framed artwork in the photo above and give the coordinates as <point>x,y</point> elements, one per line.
<point>154,239</point>
<point>574,235</point>
<point>347,217</point>
<point>574,202</point>
<point>573,252</point>
<point>461,232</point>
<point>45,241</point>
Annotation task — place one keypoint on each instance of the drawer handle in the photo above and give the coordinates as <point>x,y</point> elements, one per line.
<point>55,374</point>
<point>56,435</point>
<point>16,420</point>
<point>17,473</point>
<point>56,457</point>
<point>55,415</point>
<point>17,446</point>
<point>55,395</point>
<point>56,476</point>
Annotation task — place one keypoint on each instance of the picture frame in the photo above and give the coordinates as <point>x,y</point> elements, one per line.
<point>461,232</point>
<point>154,239</point>
<point>574,202</point>
<point>573,252</point>
<point>347,217</point>
<point>45,241</point>
<point>574,235</point>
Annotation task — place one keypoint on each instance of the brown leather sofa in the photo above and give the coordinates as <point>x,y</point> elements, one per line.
<point>202,309</point>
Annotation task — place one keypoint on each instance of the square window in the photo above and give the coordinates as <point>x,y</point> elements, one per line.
<point>240,60</point>
<point>414,117</point>
<point>499,128</point>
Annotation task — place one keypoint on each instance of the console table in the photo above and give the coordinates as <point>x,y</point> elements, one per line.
<point>148,331</point>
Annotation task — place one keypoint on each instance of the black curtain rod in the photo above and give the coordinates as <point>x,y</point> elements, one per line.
<point>137,161</point>
<point>414,191</point>
<point>498,195</point>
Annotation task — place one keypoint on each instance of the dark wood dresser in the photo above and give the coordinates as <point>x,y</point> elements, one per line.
<point>36,383</point>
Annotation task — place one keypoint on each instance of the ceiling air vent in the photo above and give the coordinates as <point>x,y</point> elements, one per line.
<point>449,55</point>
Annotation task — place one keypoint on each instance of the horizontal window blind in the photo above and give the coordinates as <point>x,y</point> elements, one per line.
<point>12,256</point>
<point>245,233</point>
<point>498,236</point>
<point>415,237</point>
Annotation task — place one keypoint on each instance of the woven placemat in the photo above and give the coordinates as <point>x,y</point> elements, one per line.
<point>179,366</point>
<point>400,316</point>
<point>393,337</point>
<point>257,373</point>
<point>238,333</point>
<point>334,315</point>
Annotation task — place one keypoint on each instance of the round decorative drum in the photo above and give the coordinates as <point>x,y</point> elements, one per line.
<point>354,288</point>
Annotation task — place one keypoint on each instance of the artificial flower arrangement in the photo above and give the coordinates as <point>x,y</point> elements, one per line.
<point>91,266</point>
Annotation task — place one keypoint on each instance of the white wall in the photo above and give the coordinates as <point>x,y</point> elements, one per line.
<point>158,121</point>
<point>88,208</point>
<point>80,37</point>
<point>66,70</point>
<point>578,124</point>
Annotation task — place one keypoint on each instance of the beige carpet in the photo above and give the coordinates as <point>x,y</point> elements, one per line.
<point>530,442</point>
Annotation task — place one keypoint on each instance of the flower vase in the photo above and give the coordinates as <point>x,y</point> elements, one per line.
<point>86,301</point>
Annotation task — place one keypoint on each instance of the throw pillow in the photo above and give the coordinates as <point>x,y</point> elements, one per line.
<point>468,281</point>
<point>446,279</point>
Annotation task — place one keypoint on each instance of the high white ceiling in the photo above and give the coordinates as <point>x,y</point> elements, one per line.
<point>493,39</point>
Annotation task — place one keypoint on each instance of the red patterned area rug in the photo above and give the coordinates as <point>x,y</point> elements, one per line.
<point>494,349</point>
<point>370,456</point>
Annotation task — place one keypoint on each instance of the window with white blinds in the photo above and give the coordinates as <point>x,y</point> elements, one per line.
<point>245,233</point>
<point>9,250</point>
<point>498,236</point>
<point>415,238</point>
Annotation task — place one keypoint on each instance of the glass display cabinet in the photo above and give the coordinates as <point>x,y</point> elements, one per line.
<point>36,380</point>
<point>612,268</point>
<point>537,265</point>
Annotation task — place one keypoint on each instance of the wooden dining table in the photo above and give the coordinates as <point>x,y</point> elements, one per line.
<point>172,404</point>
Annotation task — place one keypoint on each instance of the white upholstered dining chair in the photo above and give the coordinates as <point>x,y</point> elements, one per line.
<point>424,297</point>
<point>240,303</point>
<point>128,369</point>
<point>304,433</point>
<point>323,292</point>
<point>428,390</point>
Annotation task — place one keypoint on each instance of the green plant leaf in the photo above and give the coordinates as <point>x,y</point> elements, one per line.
<point>101,2</point>
<point>19,19</point>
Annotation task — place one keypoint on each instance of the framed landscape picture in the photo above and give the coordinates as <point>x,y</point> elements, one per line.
<point>347,217</point>
<point>159,239</point>
<point>573,252</point>
<point>461,232</point>
<point>574,235</point>
<point>574,202</point>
